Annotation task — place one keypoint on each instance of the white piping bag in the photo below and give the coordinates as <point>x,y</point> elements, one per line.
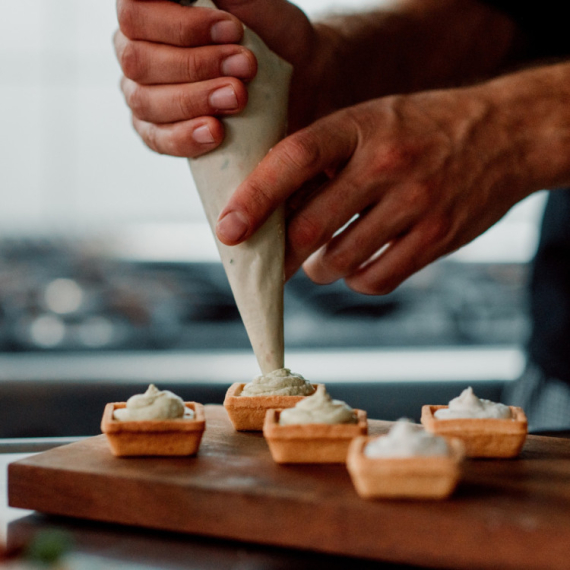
<point>255,267</point>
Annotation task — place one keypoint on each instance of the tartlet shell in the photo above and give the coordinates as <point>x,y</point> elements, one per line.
<point>153,437</point>
<point>247,413</point>
<point>311,443</point>
<point>433,477</point>
<point>482,437</point>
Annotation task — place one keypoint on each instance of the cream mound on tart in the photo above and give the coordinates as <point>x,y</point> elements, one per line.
<point>487,429</point>
<point>317,429</point>
<point>407,463</point>
<point>156,423</point>
<point>247,404</point>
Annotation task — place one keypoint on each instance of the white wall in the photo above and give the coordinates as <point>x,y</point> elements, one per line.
<point>68,155</point>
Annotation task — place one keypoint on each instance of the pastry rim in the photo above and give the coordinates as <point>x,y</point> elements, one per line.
<point>109,425</point>
<point>247,413</point>
<point>275,431</point>
<point>235,400</point>
<point>404,464</point>
<point>515,425</point>
<point>404,477</point>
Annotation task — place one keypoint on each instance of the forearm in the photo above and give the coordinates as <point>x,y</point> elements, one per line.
<point>411,45</point>
<point>531,109</point>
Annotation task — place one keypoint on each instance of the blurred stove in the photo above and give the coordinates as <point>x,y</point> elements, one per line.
<point>71,294</point>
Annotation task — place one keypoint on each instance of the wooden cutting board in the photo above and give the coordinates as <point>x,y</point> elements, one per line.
<point>508,514</point>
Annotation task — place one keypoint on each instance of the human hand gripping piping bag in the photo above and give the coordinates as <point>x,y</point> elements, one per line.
<point>255,268</point>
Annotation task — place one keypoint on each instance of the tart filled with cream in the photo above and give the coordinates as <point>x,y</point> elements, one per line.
<point>317,429</point>
<point>157,422</point>
<point>280,382</point>
<point>247,404</point>
<point>320,408</point>
<point>408,462</point>
<point>487,429</point>
<point>154,404</point>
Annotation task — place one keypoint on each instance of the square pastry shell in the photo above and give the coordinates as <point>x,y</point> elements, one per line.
<point>247,413</point>
<point>311,443</point>
<point>422,477</point>
<point>482,437</point>
<point>154,437</point>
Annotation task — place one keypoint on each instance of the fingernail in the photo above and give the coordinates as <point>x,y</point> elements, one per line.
<point>203,135</point>
<point>224,98</point>
<point>237,66</point>
<point>232,227</point>
<point>225,32</point>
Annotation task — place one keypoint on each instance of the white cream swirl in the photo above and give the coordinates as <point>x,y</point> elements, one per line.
<point>468,405</point>
<point>154,404</point>
<point>406,439</point>
<point>319,408</point>
<point>280,382</point>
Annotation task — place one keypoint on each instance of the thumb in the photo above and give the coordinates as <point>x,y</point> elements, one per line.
<point>283,27</point>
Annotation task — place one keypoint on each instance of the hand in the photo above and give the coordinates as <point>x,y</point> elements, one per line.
<point>184,67</point>
<point>415,177</point>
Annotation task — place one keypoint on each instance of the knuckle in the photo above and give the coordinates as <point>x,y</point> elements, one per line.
<point>305,233</point>
<point>394,158</point>
<point>258,197</point>
<point>301,151</point>
<point>151,138</point>
<point>127,18</point>
<point>339,260</point>
<point>439,229</point>
<point>184,33</point>
<point>416,197</point>
<point>186,104</point>
<point>196,66</point>
<point>131,61</point>
<point>137,100</point>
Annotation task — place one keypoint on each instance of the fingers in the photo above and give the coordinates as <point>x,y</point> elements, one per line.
<point>295,160</point>
<point>308,229</point>
<point>169,23</point>
<point>171,103</point>
<point>174,92</point>
<point>364,237</point>
<point>274,22</point>
<point>401,259</point>
<point>185,138</point>
<point>148,63</point>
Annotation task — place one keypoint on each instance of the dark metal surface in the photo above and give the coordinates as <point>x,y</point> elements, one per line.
<point>73,409</point>
<point>122,305</point>
<point>33,444</point>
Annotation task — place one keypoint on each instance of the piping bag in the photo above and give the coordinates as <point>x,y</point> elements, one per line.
<point>255,268</point>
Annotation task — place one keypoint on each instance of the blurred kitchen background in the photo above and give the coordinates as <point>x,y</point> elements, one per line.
<point>109,276</point>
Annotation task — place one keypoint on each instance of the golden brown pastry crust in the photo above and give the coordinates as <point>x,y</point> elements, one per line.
<point>482,437</point>
<point>154,437</point>
<point>311,443</point>
<point>433,477</point>
<point>247,413</point>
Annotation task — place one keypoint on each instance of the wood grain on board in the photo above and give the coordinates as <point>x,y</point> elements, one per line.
<point>505,514</point>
